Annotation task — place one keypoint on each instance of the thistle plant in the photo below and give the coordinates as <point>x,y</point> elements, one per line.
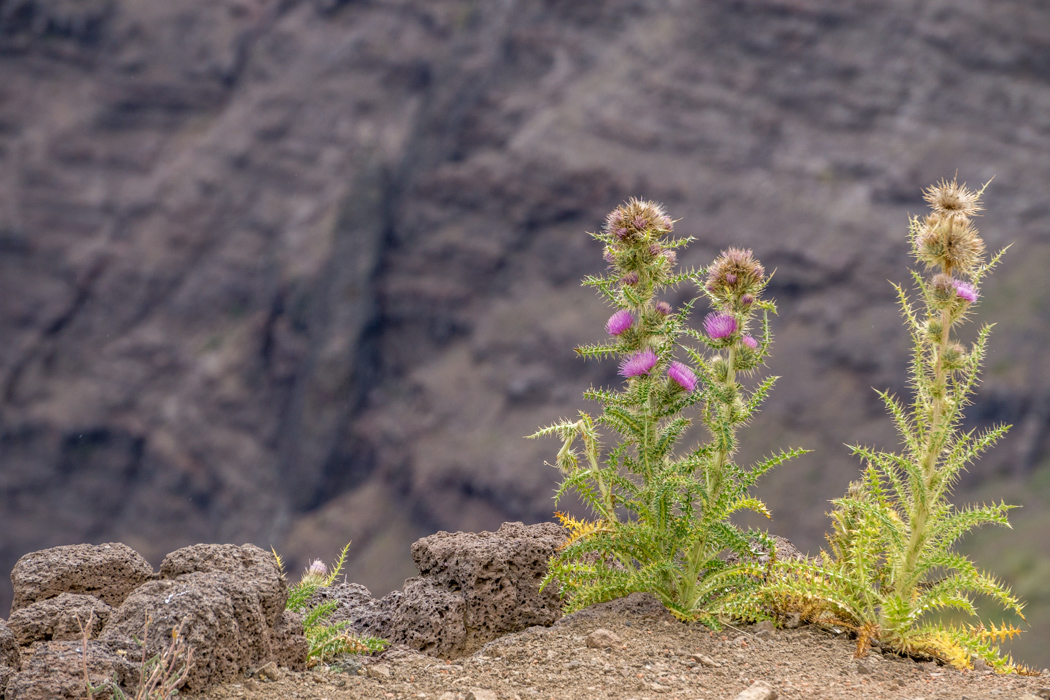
<point>892,565</point>
<point>326,639</point>
<point>661,522</point>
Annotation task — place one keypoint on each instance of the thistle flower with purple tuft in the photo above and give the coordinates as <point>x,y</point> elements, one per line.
<point>965,291</point>
<point>681,375</point>
<point>719,325</point>
<point>638,364</point>
<point>619,322</point>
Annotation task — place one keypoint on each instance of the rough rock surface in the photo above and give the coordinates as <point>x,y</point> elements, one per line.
<point>244,562</point>
<point>59,618</point>
<point>223,596</point>
<point>472,588</point>
<point>10,655</point>
<point>106,571</point>
<point>302,271</point>
<point>224,621</point>
<point>55,671</point>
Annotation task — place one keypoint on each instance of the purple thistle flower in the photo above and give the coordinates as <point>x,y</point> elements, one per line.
<point>621,233</point>
<point>619,322</point>
<point>682,376</point>
<point>609,256</point>
<point>747,300</point>
<point>750,342</point>
<point>317,569</point>
<point>630,279</point>
<point>718,325</point>
<point>730,278</point>
<point>638,364</point>
<point>663,308</point>
<point>640,222</point>
<point>965,291</point>
<point>666,222</point>
<point>672,257</point>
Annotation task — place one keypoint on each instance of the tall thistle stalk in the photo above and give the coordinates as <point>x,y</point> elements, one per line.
<point>892,565</point>
<point>661,522</point>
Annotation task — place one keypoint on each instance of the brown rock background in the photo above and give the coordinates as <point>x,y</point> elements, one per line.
<point>297,272</point>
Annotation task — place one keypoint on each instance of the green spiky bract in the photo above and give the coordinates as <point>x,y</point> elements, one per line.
<point>892,565</point>
<point>662,521</point>
<point>326,640</point>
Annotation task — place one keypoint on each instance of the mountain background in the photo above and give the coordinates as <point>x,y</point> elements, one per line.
<point>304,272</point>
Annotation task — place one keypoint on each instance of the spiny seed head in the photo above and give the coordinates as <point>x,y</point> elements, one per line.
<point>734,273</point>
<point>943,287</point>
<point>946,238</point>
<point>952,198</point>
<point>638,218</point>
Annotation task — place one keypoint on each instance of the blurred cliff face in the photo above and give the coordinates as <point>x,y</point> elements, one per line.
<point>302,272</point>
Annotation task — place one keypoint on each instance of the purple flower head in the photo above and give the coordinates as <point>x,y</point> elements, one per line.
<point>666,222</point>
<point>640,223</point>
<point>730,278</point>
<point>317,569</point>
<point>682,376</point>
<point>630,279</point>
<point>638,364</point>
<point>655,249</point>
<point>619,322</point>
<point>719,325</point>
<point>621,233</point>
<point>609,256</point>
<point>663,308</point>
<point>616,217</point>
<point>747,300</point>
<point>672,257</point>
<point>965,291</point>
<point>750,342</point>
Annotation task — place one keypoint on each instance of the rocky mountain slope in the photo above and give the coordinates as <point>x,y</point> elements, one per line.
<point>295,272</point>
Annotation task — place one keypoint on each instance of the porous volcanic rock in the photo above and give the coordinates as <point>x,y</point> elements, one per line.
<point>499,574</point>
<point>10,656</point>
<point>472,588</point>
<point>55,670</point>
<point>247,562</point>
<point>289,647</point>
<point>108,572</point>
<point>59,618</point>
<point>223,621</point>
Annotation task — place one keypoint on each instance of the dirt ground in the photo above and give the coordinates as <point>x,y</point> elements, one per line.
<point>655,657</point>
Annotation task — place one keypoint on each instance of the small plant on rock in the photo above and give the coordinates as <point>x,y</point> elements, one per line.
<point>662,521</point>
<point>892,566</point>
<point>160,675</point>
<point>326,640</point>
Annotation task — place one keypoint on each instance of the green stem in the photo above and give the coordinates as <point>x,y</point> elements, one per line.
<point>907,581</point>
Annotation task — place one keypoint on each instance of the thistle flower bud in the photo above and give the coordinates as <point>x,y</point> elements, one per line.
<point>735,272</point>
<point>943,287</point>
<point>719,326</point>
<point>954,357</point>
<point>638,364</point>
<point>747,300</point>
<point>750,342</point>
<point>318,568</point>
<point>619,322</point>
<point>609,256</point>
<point>655,249</point>
<point>662,308</point>
<point>623,234</point>
<point>640,223</point>
<point>719,369</point>
<point>630,279</point>
<point>671,256</point>
<point>681,375</point>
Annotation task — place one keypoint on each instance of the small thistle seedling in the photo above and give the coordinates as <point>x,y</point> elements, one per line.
<point>325,640</point>
<point>892,564</point>
<point>661,522</point>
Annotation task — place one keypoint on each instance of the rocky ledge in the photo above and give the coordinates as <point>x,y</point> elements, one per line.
<point>230,603</point>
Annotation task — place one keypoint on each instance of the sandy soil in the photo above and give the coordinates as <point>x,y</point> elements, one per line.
<point>655,657</point>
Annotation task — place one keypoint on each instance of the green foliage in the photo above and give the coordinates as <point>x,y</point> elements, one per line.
<point>327,640</point>
<point>661,520</point>
<point>891,566</point>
